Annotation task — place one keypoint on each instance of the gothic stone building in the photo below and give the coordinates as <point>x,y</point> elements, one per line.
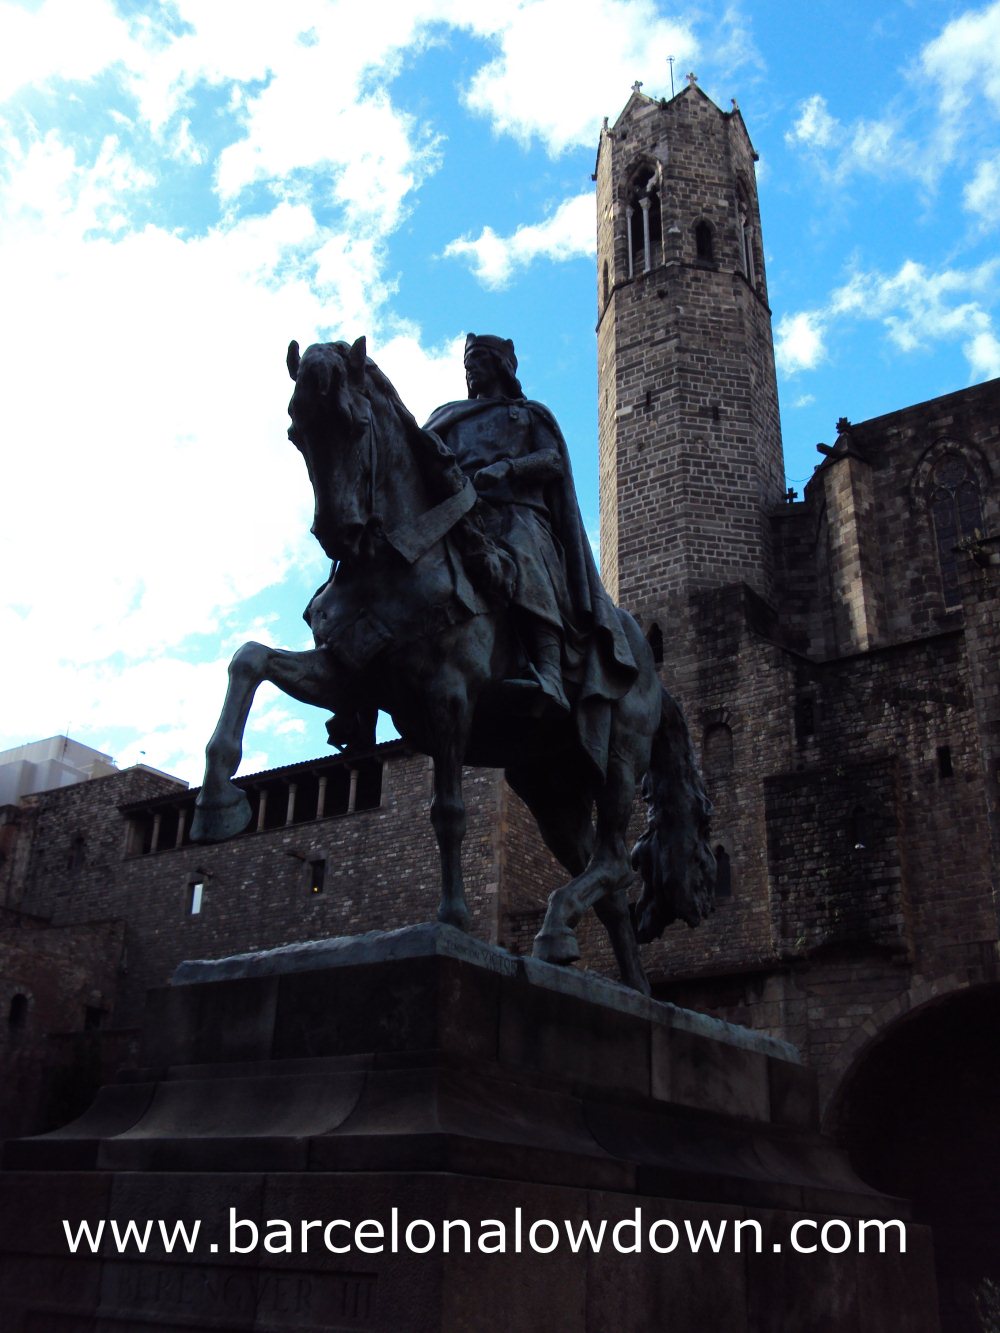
<point>836,657</point>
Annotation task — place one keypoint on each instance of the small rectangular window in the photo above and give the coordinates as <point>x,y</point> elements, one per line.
<point>945,769</point>
<point>195,893</point>
<point>317,876</point>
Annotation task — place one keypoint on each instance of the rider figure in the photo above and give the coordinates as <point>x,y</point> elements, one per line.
<point>516,458</point>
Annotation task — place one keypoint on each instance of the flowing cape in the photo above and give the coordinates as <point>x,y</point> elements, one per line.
<point>608,668</point>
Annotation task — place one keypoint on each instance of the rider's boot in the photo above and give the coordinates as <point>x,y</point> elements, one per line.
<point>547,665</point>
<point>543,690</point>
<point>352,730</point>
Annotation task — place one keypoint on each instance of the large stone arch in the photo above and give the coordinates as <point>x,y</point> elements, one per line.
<point>876,1029</point>
<point>917,1105</point>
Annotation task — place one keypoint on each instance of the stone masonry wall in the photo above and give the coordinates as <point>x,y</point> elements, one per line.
<point>56,984</point>
<point>690,445</point>
<point>382,871</point>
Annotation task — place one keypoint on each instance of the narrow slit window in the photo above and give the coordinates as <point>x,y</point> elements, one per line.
<point>317,875</point>
<point>945,767</point>
<point>655,640</point>
<point>723,873</point>
<point>77,853</point>
<point>861,829</point>
<point>805,717</point>
<point>196,893</point>
<point>17,1015</point>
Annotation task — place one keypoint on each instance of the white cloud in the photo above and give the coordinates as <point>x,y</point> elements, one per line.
<point>873,147</point>
<point>734,50</point>
<point>804,400</point>
<point>799,341</point>
<point>983,352</point>
<point>815,127</point>
<point>919,306</point>
<point>560,68</point>
<point>838,151</point>
<point>317,108</point>
<point>155,489</point>
<point>963,61</point>
<point>568,234</point>
<point>424,377</point>
<point>959,65</point>
<point>62,39</point>
<point>982,194</point>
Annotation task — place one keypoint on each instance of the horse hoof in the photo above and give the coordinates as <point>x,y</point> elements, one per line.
<point>455,916</point>
<point>556,946</point>
<point>216,823</point>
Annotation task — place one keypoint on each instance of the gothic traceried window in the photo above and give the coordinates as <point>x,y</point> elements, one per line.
<point>956,510</point>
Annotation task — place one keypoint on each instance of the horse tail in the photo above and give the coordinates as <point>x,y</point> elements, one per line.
<point>673,855</point>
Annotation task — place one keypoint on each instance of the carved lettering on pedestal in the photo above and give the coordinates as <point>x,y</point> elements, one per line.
<point>234,1297</point>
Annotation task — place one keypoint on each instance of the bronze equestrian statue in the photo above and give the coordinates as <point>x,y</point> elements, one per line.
<point>464,601</point>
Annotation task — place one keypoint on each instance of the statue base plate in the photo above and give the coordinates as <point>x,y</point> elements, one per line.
<point>458,1100</point>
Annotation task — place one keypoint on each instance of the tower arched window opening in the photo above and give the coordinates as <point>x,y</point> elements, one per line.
<point>645,224</point>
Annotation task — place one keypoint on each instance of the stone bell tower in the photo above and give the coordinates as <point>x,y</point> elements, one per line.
<point>690,442</point>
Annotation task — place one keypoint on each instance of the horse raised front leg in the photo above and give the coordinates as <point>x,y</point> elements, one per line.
<point>222,809</point>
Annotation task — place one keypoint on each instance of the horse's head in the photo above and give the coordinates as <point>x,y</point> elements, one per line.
<point>331,427</point>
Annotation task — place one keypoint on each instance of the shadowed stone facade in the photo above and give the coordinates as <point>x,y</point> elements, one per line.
<point>836,658</point>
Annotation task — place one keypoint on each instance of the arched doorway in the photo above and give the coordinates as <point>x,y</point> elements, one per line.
<point>919,1113</point>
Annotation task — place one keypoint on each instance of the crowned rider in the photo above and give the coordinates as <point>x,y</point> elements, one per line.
<point>518,461</point>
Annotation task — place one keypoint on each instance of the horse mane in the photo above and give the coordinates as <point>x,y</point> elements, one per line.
<point>438,465</point>
<point>490,568</point>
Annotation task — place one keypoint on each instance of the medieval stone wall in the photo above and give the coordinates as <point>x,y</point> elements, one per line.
<point>54,982</point>
<point>380,870</point>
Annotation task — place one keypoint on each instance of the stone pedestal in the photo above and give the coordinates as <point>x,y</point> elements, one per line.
<point>451,1097</point>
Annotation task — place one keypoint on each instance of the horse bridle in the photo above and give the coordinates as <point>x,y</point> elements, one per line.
<point>414,538</point>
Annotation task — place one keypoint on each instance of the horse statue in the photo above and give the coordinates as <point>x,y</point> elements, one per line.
<point>418,620</point>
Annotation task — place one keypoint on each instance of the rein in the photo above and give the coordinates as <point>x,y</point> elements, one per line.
<point>415,537</point>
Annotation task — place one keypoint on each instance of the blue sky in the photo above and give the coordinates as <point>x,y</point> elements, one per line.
<point>185,187</point>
